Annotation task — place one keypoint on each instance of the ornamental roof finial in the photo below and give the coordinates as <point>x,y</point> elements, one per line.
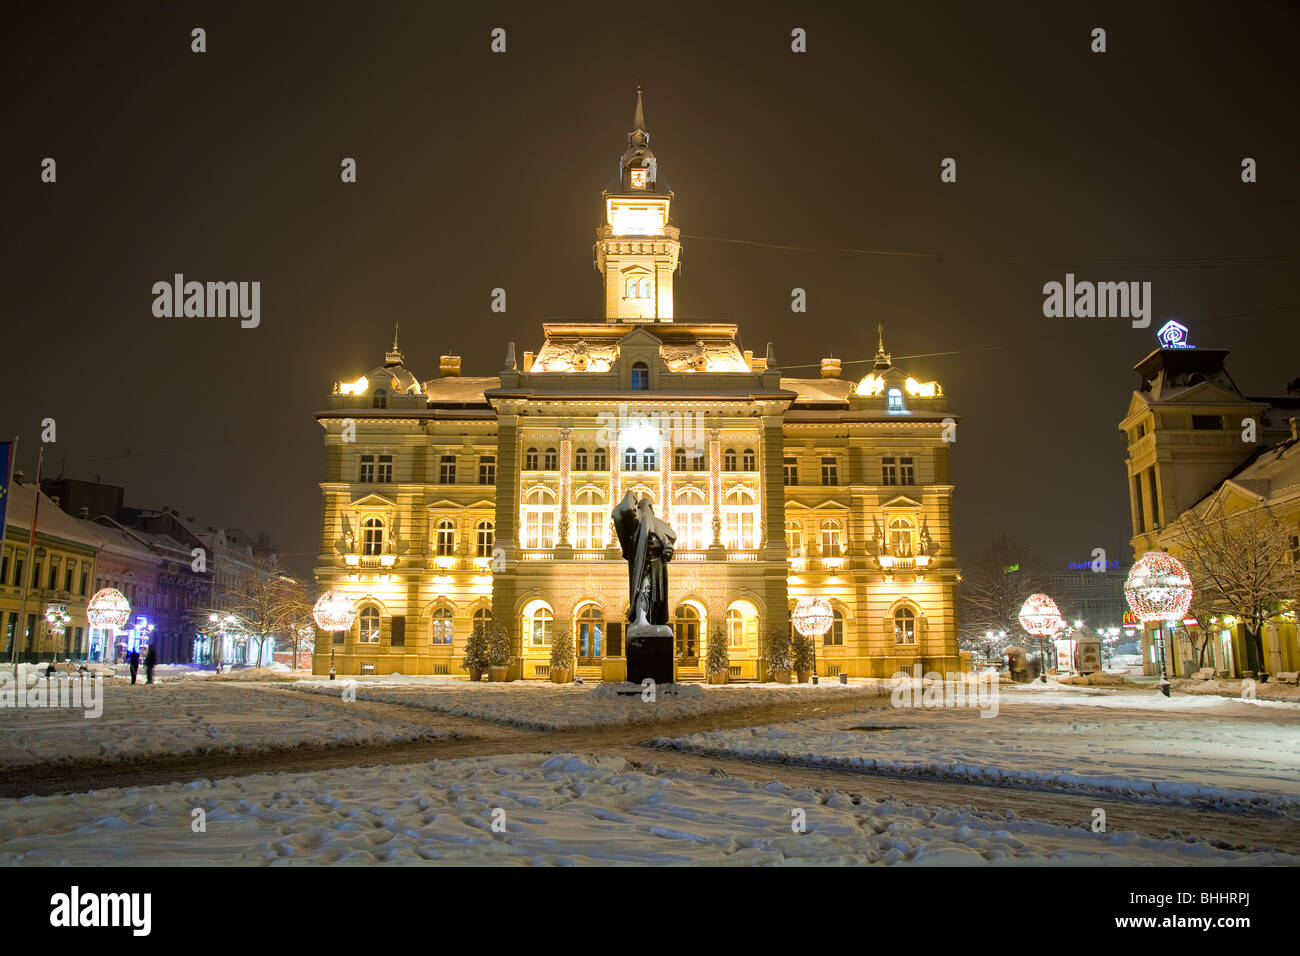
<point>394,356</point>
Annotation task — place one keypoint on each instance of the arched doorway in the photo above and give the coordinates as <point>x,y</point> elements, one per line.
<point>686,629</point>
<point>589,626</point>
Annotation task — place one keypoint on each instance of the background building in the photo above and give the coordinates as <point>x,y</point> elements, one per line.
<point>462,500</point>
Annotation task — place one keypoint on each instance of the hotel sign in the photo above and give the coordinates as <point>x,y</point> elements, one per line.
<point>1173,335</point>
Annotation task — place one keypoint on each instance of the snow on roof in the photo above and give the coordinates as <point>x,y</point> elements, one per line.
<point>50,519</point>
<point>820,390</point>
<point>460,389</point>
<point>1273,471</point>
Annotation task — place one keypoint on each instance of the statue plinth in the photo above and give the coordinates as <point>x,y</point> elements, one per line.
<point>649,653</point>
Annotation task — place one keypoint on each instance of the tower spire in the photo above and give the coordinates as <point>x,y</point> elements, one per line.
<point>638,121</point>
<point>394,355</point>
<point>883,358</point>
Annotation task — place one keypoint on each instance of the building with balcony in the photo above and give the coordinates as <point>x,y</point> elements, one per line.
<point>456,501</point>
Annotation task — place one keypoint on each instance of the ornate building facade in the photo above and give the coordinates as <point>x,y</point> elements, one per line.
<point>456,501</point>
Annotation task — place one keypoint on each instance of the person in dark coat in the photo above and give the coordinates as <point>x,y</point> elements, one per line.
<point>150,660</point>
<point>133,661</point>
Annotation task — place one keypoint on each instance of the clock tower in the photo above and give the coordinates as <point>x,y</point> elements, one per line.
<point>637,249</point>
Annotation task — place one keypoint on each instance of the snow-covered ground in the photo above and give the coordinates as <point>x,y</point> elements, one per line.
<point>561,809</point>
<point>189,716</point>
<point>545,706</point>
<point>1202,751</point>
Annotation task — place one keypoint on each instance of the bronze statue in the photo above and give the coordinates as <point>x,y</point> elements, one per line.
<point>647,547</point>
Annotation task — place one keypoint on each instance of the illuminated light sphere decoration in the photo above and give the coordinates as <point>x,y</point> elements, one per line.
<point>1040,616</point>
<point>813,616</point>
<point>108,609</point>
<point>1158,588</point>
<point>333,612</point>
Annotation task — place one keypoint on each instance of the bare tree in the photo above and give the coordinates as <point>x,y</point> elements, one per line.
<point>1240,564</point>
<point>265,600</point>
<point>992,590</point>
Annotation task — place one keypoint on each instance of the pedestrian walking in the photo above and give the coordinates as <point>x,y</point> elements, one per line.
<point>133,661</point>
<point>150,659</point>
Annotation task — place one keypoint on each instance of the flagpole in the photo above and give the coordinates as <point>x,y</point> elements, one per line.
<point>27,566</point>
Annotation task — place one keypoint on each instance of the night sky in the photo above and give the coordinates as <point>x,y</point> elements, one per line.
<point>479,171</point>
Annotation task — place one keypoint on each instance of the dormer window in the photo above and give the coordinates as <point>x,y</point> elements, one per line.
<point>638,178</point>
<point>640,377</point>
<point>896,400</point>
<point>380,398</point>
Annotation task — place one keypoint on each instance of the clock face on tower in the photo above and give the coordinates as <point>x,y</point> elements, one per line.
<point>638,178</point>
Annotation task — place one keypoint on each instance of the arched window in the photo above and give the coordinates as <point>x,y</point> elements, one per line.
<point>741,517</point>
<point>794,539</point>
<point>372,536</point>
<point>742,626</point>
<point>645,288</point>
<point>484,539</point>
<point>896,400</point>
<point>368,625</point>
<point>445,538</point>
<point>600,461</point>
<point>539,519</point>
<point>835,636</point>
<point>590,518</point>
<point>380,398</point>
<point>640,377</point>
<point>550,460</point>
<point>729,460</point>
<point>831,538</point>
<point>648,459</point>
<point>440,627</point>
<point>900,537</point>
<point>679,459</point>
<point>530,460</point>
<point>629,460</point>
<point>631,288</point>
<point>904,626</point>
<point>749,460</point>
<point>687,631</point>
<point>590,628</point>
<point>580,460</point>
<point>689,518</point>
<point>699,463</point>
<point>540,627</point>
<point>482,618</point>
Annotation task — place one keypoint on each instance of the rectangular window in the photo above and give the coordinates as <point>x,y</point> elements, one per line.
<point>54,577</point>
<point>367,473</point>
<point>385,475</point>
<point>397,635</point>
<point>1137,501</point>
<point>580,460</point>
<point>749,461</point>
<point>888,471</point>
<point>18,571</point>
<point>830,473</point>
<point>36,576</point>
<point>447,470</point>
<point>85,579</point>
<point>4,568</point>
<point>600,460</point>
<point>487,470</point>
<point>906,471</point>
<point>790,469</point>
<point>67,580</point>
<point>1155,501</point>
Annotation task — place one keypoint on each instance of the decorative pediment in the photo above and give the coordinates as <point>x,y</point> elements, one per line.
<point>639,338</point>
<point>901,503</point>
<point>374,501</point>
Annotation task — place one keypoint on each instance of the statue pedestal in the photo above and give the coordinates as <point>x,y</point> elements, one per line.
<point>650,653</point>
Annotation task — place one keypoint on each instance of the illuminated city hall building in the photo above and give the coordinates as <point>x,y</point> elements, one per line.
<point>462,500</point>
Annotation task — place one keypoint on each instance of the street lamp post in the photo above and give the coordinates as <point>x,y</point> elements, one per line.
<point>1040,617</point>
<point>813,617</point>
<point>1159,590</point>
<point>333,612</point>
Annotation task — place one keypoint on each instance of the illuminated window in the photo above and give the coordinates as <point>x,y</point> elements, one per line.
<point>835,636</point>
<point>550,460</point>
<point>906,471</point>
<point>447,470</point>
<point>372,536</point>
<point>729,460</point>
<point>599,460</point>
<point>629,460</point>
<point>487,470</point>
<point>640,377</point>
<point>831,532</point>
<point>645,288</point>
<point>830,472</point>
<point>648,459</point>
<point>896,400</point>
<point>540,627</point>
<point>590,519</point>
<point>687,631</point>
<point>531,460</point>
<point>888,471</point>
<point>679,459</point>
<point>699,464</point>
<point>689,518</point>
<point>445,538</point>
<point>484,539</point>
<point>385,473</point>
<point>749,461</point>
<point>367,473</point>
<point>741,515</point>
<point>638,180</point>
<point>631,288</point>
<point>900,537</point>
<point>590,628</point>
<point>742,626</point>
<point>580,460</point>
<point>440,626</point>
<point>904,626</point>
<point>368,625</point>
<point>794,538</point>
<point>790,469</point>
<point>539,519</point>
<point>482,618</point>
<point>379,399</point>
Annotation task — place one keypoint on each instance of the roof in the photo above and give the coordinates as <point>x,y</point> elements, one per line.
<point>51,520</point>
<point>1270,473</point>
<point>459,389</point>
<point>820,391</point>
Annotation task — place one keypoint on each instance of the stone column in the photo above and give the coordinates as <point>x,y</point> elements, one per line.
<point>715,485</point>
<point>666,481</point>
<point>615,484</point>
<point>566,457</point>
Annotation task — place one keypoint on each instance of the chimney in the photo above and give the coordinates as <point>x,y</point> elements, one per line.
<point>830,368</point>
<point>449,366</point>
<point>84,513</point>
